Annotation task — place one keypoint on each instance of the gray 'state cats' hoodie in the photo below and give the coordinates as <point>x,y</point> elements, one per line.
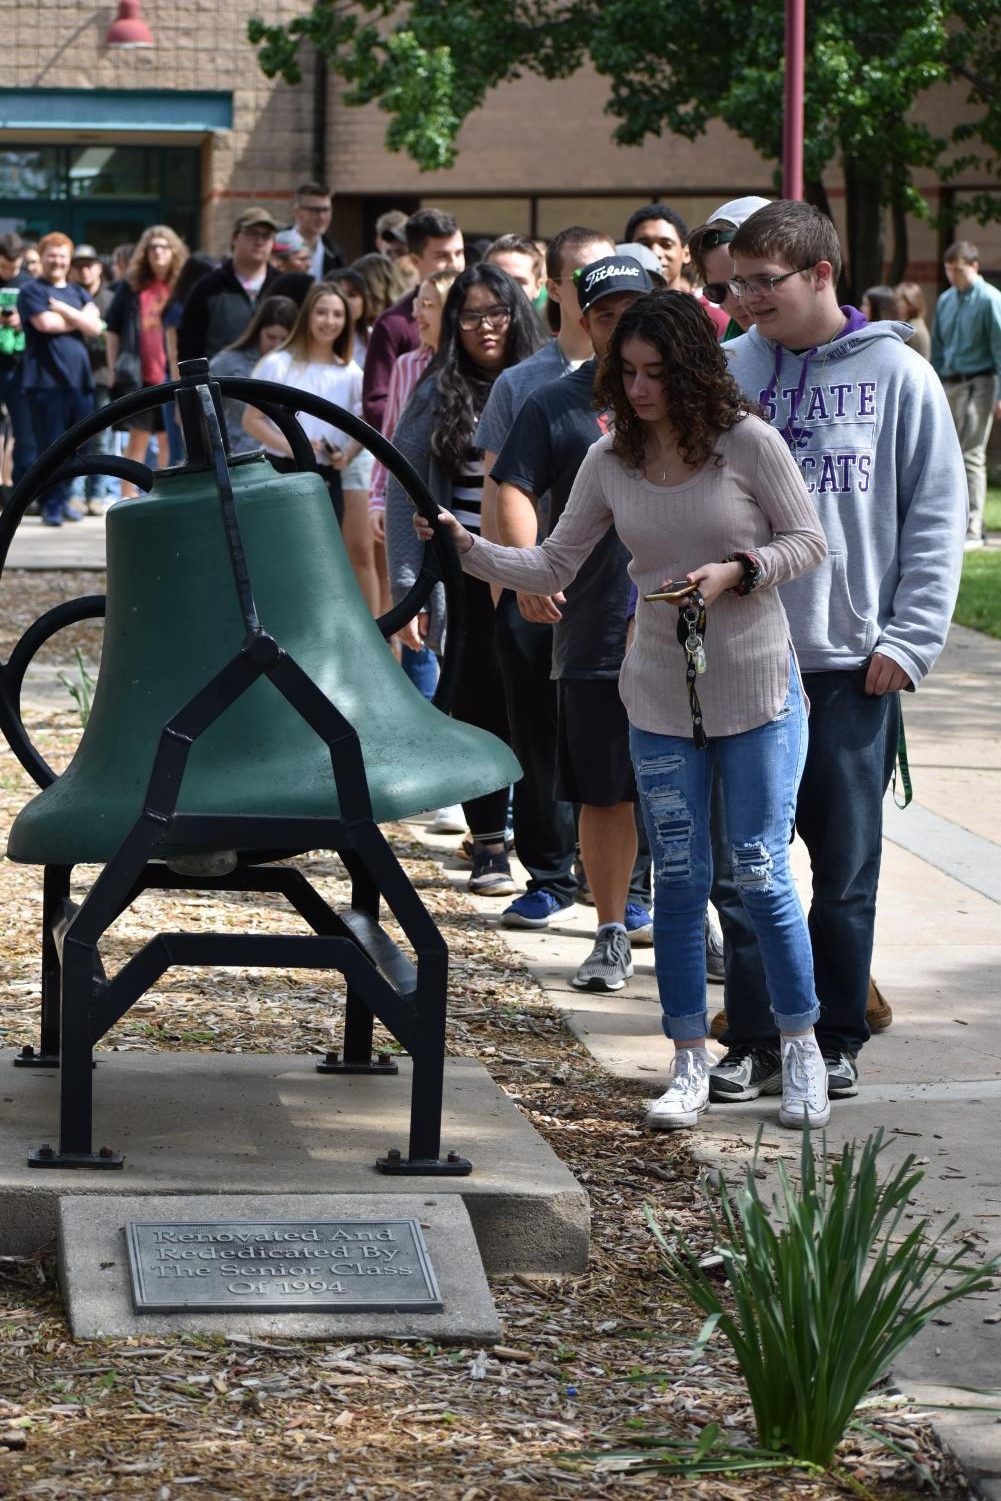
<point>868,423</point>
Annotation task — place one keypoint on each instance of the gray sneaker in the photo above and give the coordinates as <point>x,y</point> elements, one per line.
<point>744,1073</point>
<point>842,1074</point>
<point>609,964</point>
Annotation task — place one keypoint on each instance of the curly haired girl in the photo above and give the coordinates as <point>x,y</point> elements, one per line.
<point>689,474</point>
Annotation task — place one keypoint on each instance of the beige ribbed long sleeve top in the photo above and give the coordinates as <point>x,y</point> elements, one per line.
<point>753,500</point>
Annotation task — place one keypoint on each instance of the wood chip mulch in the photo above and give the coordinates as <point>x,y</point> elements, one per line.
<point>589,1364</point>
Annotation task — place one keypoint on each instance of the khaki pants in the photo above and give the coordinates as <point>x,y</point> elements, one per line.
<point>972,405</point>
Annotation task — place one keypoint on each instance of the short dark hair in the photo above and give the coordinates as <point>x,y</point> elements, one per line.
<point>961,250</point>
<point>11,246</point>
<point>516,245</point>
<point>797,232</point>
<point>429,224</point>
<point>655,211</point>
<point>312,190</point>
<point>571,239</point>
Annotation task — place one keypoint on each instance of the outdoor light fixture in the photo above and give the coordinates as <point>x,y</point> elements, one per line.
<point>129,28</point>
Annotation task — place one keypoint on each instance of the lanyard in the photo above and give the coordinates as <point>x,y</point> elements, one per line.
<point>902,767</point>
<point>692,635</point>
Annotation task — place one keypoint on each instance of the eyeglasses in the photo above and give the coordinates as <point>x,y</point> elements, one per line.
<point>492,317</point>
<point>315,208</point>
<point>158,245</point>
<point>715,291</point>
<point>760,286</point>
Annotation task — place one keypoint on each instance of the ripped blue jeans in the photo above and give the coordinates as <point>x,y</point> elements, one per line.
<point>760,772</point>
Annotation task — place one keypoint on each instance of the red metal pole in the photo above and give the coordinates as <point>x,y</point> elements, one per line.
<point>792,133</point>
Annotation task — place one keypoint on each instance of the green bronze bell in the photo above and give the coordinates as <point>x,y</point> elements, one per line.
<point>173,621</point>
<point>247,708</point>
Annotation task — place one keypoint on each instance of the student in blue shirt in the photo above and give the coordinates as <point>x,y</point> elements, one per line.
<point>58,383</point>
<point>966,353</point>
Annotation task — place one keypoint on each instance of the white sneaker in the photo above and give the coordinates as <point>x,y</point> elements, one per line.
<point>448,821</point>
<point>804,1084</point>
<point>687,1096</point>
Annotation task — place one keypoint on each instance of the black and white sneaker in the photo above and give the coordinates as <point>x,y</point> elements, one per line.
<point>744,1073</point>
<point>491,872</point>
<point>842,1074</point>
<point>609,964</point>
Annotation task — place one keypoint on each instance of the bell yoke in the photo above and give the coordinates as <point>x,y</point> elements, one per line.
<point>247,710</point>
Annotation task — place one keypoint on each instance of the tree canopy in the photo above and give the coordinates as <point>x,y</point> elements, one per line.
<point>673,69</point>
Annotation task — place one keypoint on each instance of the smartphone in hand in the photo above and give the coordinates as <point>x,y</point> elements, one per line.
<point>675,592</point>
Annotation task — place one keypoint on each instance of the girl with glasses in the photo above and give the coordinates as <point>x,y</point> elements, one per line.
<point>487,325</point>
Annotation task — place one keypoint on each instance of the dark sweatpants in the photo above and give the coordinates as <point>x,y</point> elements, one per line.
<point>479,700</point>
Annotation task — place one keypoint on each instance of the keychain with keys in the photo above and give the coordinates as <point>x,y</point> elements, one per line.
<point>692,635</point>
<point>693,643</point>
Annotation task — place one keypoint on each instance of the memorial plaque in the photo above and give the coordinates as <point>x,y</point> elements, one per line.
<point>332,1266</point>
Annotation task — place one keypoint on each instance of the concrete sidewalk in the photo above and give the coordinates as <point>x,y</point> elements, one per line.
<point>933,1081</point>
<point>75,544</point>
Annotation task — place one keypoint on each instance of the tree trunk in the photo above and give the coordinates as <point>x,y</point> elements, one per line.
<point>901,252</point>
<point>816,194</point>
<point>864,215</point>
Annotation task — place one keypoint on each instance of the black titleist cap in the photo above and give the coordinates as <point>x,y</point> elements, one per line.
<point>613,273</point>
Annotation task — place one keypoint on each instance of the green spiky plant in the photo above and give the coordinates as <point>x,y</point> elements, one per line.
<point>81,691</point>
<point>827,1284</point>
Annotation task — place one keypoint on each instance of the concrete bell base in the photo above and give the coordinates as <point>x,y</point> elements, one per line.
<point>215,1123</point>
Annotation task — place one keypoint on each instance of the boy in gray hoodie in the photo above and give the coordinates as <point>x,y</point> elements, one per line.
<point>868,422</point>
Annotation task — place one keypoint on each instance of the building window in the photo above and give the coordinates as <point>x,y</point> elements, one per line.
<point>100,194</point>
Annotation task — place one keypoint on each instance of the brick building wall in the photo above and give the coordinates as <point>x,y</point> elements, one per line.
<point>535,157</point>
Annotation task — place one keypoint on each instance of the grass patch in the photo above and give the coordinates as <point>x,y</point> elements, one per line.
<point>979,602</point>
<point>992,510</point>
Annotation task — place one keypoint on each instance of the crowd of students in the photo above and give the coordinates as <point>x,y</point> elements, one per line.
<point>711,523</point>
